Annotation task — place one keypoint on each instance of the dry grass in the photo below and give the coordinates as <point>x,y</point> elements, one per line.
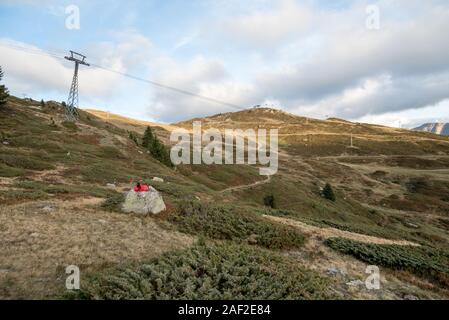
<point>37,244</point>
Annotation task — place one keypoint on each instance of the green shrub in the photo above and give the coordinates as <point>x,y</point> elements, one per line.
<point>270,201</point>
<point>14,196</point>
<point>89,190</point>
<point>222,271</point>
<point>424,261</point>
<point>328,192</point>
<point>133,137</point>
<point>114,202</point>
<point>4,94</point>
<point>232,223</point>
<point>110,152</point>
<point>70,125</point>
<point>24,162</point>
<point>156,147</point>
<point>7,171</point>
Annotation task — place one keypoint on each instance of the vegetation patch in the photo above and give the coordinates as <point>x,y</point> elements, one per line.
<point>7,171</point>
<point>216,271</point>
<point>24,162</point>
<point>114,202</point>
<point>228,222</point>
<point>90,190</point>
<point>14,196</point>
<point>423,261</point>
<point>70,125</point>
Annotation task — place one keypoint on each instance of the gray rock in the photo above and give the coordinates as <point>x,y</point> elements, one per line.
<point>111,185</point>
<point>335,272</point>
<point>410,297</point>
<point>48,209</point>
<point>355,283</point>
<point>157,179</point>
<point>6,143</point>
<point>411,225</point>
<point>144,202</point>
<point>252,239</point>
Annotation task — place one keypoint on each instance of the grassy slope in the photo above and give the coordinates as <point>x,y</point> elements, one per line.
<point>50,159</point>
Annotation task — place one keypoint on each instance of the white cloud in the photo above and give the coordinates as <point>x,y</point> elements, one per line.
<point>267,27</point>
<point>201,76</point>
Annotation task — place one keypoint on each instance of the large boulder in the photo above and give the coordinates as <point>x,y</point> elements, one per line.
<point>144,202</point>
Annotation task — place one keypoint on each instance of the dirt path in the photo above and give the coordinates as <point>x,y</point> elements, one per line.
<point>325,233</point>
<point>248,186</point>
<point>419,156</point>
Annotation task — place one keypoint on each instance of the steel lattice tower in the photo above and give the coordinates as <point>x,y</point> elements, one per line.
<point>73,100</point>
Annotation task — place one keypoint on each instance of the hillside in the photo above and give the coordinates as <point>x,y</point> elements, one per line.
<point>437,128</point>
<point>127,123</point>
<point>58,208</point>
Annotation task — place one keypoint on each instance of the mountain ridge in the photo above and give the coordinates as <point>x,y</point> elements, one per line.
<point>440,128</point>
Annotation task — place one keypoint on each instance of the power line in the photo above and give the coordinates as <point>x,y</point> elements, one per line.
<point>154,83</point>
<point>182,91</point>
<point>32,51</point>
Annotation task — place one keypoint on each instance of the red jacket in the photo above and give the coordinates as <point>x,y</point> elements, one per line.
<point>143,188</point>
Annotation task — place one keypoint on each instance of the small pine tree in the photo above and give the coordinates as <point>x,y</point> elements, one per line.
<point>156,147</point>
<point>148,138</point>
<point>42,103</point>
<point>4,94</point>
<point>160,152</point>
<point>328,192</point>
<point>133,137</point>
<point>270,201</point>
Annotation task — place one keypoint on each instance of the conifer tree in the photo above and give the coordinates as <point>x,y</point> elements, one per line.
<point>328,193</point>
<point>156,147</point>
<point>148,138</point>
<point>4,94</point>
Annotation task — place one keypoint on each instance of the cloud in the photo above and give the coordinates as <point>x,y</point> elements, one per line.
<point>34,71</point>
<point>268,27</point>
<point>349,71</point>
<point>201,76</point>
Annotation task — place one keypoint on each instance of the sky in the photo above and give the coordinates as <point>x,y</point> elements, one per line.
<point>384,62</point>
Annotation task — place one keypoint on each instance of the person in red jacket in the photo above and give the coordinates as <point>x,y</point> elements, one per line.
<point>141,187</point>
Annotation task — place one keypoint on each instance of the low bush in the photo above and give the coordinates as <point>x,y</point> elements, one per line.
<point>70,125</point>
<point>7,171</point>
<point>227,222</point>
<point>270,201</point>
<point>114,202</point>
<point>328,193</point>
<point>423,261</point>
<point>24,162</point>
<point>89,190</point>
<point>14,196</point>
<point>219,272</point>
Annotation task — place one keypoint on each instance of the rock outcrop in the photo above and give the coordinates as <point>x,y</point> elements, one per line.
<point>149,202</point>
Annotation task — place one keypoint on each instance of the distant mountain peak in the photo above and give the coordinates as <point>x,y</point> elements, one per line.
<point>440,128</point>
